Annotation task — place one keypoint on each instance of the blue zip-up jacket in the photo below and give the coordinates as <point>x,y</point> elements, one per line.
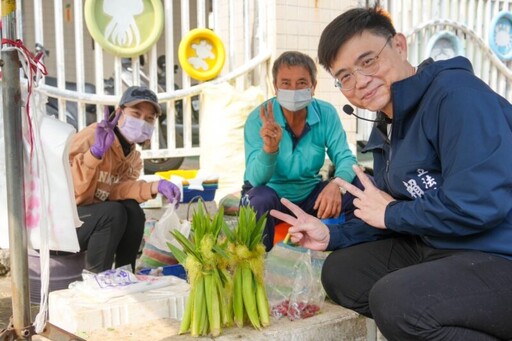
<point>448,164</point>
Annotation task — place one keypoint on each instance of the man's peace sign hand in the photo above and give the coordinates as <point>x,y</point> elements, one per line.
<point>270,131</point>
<point>370,203</point>
<point>305,229</point>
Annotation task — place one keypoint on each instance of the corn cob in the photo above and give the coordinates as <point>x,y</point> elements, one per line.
<point>249,296</point>
<point>201,256</point>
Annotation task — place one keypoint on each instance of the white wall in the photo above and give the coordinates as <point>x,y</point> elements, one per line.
<point>297,25</point>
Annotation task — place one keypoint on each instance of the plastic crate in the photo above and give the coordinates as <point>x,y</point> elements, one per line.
<point>210,186</point>
<point>207,195</point>
<point>170,270</point>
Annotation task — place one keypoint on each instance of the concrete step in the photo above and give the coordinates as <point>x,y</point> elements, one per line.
<point>333,323</point>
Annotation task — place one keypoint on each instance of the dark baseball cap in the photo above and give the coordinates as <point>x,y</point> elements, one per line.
<point>137,94</point>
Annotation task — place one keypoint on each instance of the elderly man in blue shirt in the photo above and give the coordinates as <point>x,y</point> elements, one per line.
<point>286,140</point>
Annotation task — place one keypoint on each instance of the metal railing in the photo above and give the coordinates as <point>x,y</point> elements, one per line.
<point>486,65</point>
<point>240,24</point>
<point>467,20</point>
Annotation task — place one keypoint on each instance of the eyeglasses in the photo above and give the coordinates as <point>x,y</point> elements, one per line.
<point>346,81</point>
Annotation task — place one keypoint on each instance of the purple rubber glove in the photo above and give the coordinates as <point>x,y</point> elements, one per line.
<point>170,191</point>
<point>104,135</point>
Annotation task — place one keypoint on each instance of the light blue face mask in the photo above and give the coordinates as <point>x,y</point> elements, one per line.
<point>294,100</point>
<point>136,130</point>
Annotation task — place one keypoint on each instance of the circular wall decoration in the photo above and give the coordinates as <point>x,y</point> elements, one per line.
<point>124,28</point>
<point>444,45</point>
<point>201,54</point>
<point>500,35</point>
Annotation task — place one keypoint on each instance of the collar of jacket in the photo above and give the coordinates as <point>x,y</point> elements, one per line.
<point>408,93</point>
<point>378,139</point>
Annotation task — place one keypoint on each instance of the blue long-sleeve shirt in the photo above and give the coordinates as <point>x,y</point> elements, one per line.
<point>293,172</point>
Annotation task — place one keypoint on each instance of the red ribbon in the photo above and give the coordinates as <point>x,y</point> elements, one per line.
<point>35,64</point>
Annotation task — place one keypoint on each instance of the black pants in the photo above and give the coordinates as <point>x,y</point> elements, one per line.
<point>263,199</point>
<point>415,292</point>
<point>111,229</point>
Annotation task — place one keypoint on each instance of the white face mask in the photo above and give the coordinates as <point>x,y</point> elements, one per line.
<point>136,130</point>
<point>294,100</point>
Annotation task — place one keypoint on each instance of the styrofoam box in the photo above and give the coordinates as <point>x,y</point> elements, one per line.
<point>74,312</point>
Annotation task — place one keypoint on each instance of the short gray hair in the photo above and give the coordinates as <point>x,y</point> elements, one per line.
<point>295,58</point>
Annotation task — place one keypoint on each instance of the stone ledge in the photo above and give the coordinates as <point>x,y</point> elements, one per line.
<point>334,323</point>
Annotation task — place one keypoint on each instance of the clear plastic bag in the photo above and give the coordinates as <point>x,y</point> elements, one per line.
<point>156,253</point>
<point>292,279</point>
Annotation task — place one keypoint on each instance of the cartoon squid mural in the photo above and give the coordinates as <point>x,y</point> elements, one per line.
<point>122,29</point>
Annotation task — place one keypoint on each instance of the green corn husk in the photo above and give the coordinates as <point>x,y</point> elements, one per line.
<point>204,259</point>
<point>250,300</point>
<point>217,298</point>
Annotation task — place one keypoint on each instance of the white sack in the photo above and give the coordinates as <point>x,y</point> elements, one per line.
<point>51,215</point>
<point>224,112</point>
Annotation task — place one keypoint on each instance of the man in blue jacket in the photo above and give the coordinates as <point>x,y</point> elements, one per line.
<point>429,254</point>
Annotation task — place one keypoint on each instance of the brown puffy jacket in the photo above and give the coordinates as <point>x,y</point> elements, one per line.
<point>115,177</point>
